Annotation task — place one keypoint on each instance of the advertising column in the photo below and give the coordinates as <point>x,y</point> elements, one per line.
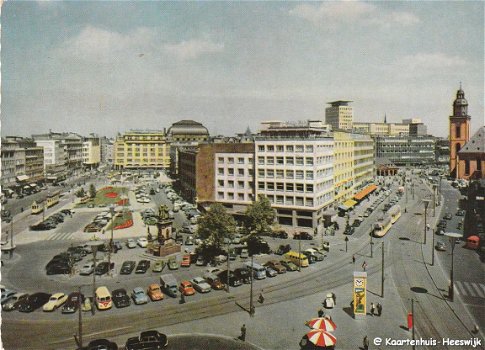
<point>359,294</point>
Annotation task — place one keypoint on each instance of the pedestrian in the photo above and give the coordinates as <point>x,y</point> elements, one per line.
<point>334,297</point>
<point>182,298</point>
<point>261,297</point>
<point>352,304</point>
<point>364,265</point>
<point>243,333</point>
<point>321,313</point>
<point>372,309</point>
<point>353,259</point>
<point>366,343</point>
<point>379,309</point>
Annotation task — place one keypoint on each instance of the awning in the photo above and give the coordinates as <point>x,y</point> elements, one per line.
<point>22,178</point>
<point>362,194</point>
<point>343,207</point>
<point>349,203</point>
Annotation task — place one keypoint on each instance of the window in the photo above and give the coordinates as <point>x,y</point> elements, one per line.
<point>279,148</point>
<point>230,184</point>
<point>240,160</point>
<point>309,188</point>
<point>260,185</point>
<point>309,148</point>
<point>299,148</point>
<point>240,196</point>
<point>299,160</point>
<point>230,195</point>
<point>231,171</point>
<point>261,172</point>
<point>290,174</point>
<point>220,183</point>
<point>289,200</point>
<point>270,148</point>
<point>240,184</point>
<point>309,161</point>
<point>280,186</point>
<point>309,175</point>
<point>220,171</point>
<point>270,186</point>
<point>280,174</point>
<point>240,172</point>
<point>467,167</point>
<point>261,148</point>
<point>230,160</point>
<point>220,195</point>
<point>299,187</point>
<point>289,148</point>
<point>309,202</point>
<point>290,160</point>
<point>270,160</point>
<point>458,131</point>
<point>261,160</point>
<point>270,173</point>
<point>289,187</point>
<point>299,201</point>
<point>280,160</point>
<point>279,199</point>
<point>299,174</point>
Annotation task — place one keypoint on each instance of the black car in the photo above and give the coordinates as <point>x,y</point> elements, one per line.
<point>143,266</point>
<point>121,298</point>
<point>72,303</point>
<point>102,268</point>
<point>33,302</point>
<point>234,280</point>
<point>243,274</point>
<point>442,224</point>
<point>127,267</point>
<point>282,249</point>
<point>356,223</point>
<point>460,212</point>
<point>349,230</point>
<point>303,235</point>
<point>58,269</point>
<point>448,216</point>
<point>152,340</point>
<point>101,344</point>
<point>256,245</point>
<point>281,234</point>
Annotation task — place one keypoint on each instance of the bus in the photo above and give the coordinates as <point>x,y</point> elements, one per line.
<point>382,226</point>
<point>103,298</point>
<point>394,212</point>
<point>297,259</point>
<point>37,206</point>
<point>53,198</point>
<point>259,272</point>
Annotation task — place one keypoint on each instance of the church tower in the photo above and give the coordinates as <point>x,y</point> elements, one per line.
<point>459,129</point>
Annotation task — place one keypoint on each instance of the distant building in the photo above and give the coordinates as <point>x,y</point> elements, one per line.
<point>442,151</point>
<point>55,159</point>
<point>106,147</point>
<point>406,150</point>
<point>339,115</point>
<point>471,157</point>
<point>142,149</point>
<point>303,128</point>
<point>459,131</point>
<point>91,151</point>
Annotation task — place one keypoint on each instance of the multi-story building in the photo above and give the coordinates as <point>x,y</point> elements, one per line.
<point>296,175</point>
<point>442,151</point>
<point>364,160</point>
<point>55,167</point>
<point>343,166</point>
<point>91,151</point>
<point>182,134</point>
<point>142,149</point>
<point>406,150</point>
<point>339,115</point>
<point>9,163</point>
<point>106,148</point>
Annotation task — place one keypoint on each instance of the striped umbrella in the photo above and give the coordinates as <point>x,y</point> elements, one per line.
<point>321,338</point>
<point>322,323</point>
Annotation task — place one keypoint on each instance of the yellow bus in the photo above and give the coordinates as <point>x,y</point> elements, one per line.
<point>382,226</point>
<point>53,198</point>
<point>395,213</point>
<point>37,206</point>
<point>297,259</point>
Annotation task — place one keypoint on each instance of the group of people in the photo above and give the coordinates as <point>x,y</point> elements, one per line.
<point>375,309</point>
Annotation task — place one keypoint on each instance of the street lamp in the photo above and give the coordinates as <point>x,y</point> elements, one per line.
<point>426,203</point>
<point>110,249</point>
<point>453,236</point>
<point>94,248</point>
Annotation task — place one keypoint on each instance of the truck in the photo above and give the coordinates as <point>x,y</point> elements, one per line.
<point>169,284</point>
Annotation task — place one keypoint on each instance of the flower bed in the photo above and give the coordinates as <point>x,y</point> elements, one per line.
<point>122,202</point>
<point>107,188</point>
<point>111,195</point>
<point>126,224</point>
<point>124,221</point>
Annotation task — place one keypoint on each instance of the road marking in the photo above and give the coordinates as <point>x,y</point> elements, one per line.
<point>59,236</point>
<point>478,291</point>
<point>471,289</point>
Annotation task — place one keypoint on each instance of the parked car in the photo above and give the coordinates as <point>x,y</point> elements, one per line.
<point>155,292</point>
<point>87,269</point>
<point>448,216</point>
<point>101,344</point>
<point>244,253</point>
<point>56,300</point>
<point>440,246</point>
<point>186,288</point>
<point>289,265</point>
<point>152,340</point>
<point>120,298</point>
<point>33,302</point>
<point>214,281</point>
<point>201,285</point>
<point>281,234</point>
<point>139,296</point>
<point>276,265</point>
<point>460,212</point>
<point>349,230</point>
<point>103,268</point>
<point>243,274</point>
<point>142,242</point>
<point>303,235</point>
<point>14,301</point>
<point>173,264</point>
<point>127,267</point>
<point>270,272</point>
<point>283,249</point>
<point>143,266</point>
<point>6,295</point>
<point>158,266</point>
<point>130,243</point>
<point>72,303</point>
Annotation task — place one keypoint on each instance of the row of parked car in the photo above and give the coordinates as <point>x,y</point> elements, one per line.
<point>100,221</point>
<point>151,339</point>
<point>52,221</point>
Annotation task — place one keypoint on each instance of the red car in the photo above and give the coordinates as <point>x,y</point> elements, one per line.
<point>185,261</point>
<point>186,288</point>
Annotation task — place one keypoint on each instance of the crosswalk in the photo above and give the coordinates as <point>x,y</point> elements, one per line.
<point>470,289</point>
<point>60,236</point>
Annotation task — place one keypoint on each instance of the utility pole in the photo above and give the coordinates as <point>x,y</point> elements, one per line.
<point>432,250</point>
<point>426,203</point>
<point>299,253</point>
<point>110,250</point>
<point>80,320</point>
<point>228,269</point>
<point>434,200</point>
<point>382,270</point>
<point>251,301</point>
<point>346,242</point>
<point>371,245</point>
<point>11,239</point>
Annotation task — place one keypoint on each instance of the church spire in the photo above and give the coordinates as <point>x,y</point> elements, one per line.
<point>385,118</point>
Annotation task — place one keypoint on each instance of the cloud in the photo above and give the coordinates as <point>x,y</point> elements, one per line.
<point>351,12</point>
<point>193,48</point>
<point>429,61</point>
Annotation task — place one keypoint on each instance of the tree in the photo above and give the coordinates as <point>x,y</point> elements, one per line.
<point>80,193</point>
<point>259,217</point>
<point>92,191</point>
<point>216,224</point>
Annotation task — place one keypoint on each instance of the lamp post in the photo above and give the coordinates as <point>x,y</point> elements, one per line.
<point>110,249</point>
<point>94,248</point>
<point>426,203</point>
<point>251,301</point>
<point>453,236</point>
<point>371,244</point>
<point>434,200</point>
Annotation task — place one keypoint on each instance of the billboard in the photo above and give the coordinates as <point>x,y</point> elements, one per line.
<point>359,293</point>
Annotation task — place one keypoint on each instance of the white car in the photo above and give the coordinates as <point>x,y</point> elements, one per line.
<point>55,301</point>
<point>201,285</point>
<point>87,269</point>
<point>142,242</point>
<point>130,243</point>
<point>213,270</point>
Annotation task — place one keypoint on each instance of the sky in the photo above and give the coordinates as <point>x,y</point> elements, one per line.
<point>108,67</point>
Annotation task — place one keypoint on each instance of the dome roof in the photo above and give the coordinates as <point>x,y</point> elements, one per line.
<point>190,127</point>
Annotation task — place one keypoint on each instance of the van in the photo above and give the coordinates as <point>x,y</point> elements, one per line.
<point>169,284</point>
<point>103,298</point>
<point>297,259</point>
<point>259,272</point>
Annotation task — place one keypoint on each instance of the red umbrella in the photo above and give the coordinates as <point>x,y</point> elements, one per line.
<point>322,323</point>
<point>322,338</point>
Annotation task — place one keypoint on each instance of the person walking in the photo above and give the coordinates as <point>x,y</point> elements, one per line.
<point>353,259</point>
<point>379,309</point>
<point>321,313</point>
<point>261,297</point>
<point>243,333</point>
<point>365,342</point>
<point>334,297</point>
<point>372,309</point>
<point>364,265</point>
